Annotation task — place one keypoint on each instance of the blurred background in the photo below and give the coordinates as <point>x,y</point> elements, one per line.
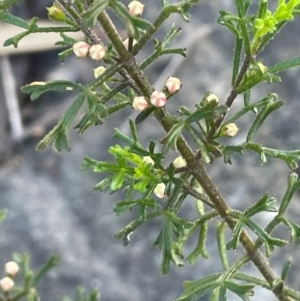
<point>52,209</point>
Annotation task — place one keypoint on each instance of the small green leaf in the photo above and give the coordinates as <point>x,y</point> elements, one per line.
<point>16,39</point>
<point>294,229</point>
<point>103,184</point>
<point>63,124</point>
<point>91,15</point>
<point>242,290</point>
<point>62,141</point>
<point>124,206</point>
<point>51,263</point>
<point>236,233</point>
<point>118,180</point>
<point>200,248</point>
<point>36,89</point>
<point>64,54</point>
<point>193,290</point>
<point>269,241</point>
<point>11,19</point>
<point>199,114</point>
<point>170,139</point>
<point>144,114</point>
<point>265,203</point>
<point>285,269</point>
<point>221,229</point>
<point>261,117</point>
<point>284,65</point>
<point>67,41</point>
<point>166,242</point>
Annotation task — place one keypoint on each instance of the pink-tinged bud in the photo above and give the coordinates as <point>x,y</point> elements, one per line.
<point>148,160</point>
<point>158,99</point>
<point>98,71</point>
<point>126,42</point>
<point>11,268</point>
<point>230,130</point>
<point>159,190</point>
<point>97,52</point>
<point>37,84</point>
<point>81,49</point>
<point>136,8</point>
<point>140,103</point>
<point>173,84</point>
<point>6,284</point>
<point>179,162</point>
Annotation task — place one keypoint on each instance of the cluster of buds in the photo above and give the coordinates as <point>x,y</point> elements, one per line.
<point>11,269</point>
<point>81,49</point>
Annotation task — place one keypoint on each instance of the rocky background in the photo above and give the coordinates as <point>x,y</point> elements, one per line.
<point>53,209</point>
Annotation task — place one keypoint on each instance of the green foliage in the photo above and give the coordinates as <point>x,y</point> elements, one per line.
<point>153,190</point>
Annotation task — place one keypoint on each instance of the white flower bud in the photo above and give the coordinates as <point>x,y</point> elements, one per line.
<point>98,71</point>
<point>179,162</point>
<point>212,97</point>
<point>136,8</point>
<point>97,52</point>
<point>6,284</point>
<point>81,49</point>
<point>69,88</point>
<point>11,268</point>
<point>140,103</point>
<point>126,42</point>
<point>158,99</point>
<point>148,160</point>
<point>173,84</point>
<point>159,190</point>
<point>230,130</point>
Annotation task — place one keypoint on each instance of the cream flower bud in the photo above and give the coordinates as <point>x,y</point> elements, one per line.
<point>136,8</point>
<point>98,71</point>
<point>158,99</point>
<point>173,84</point>
<point>69,88</point>
<point>140,103</point>
<point>212,97</point>
<point>6,284</point>
<point>179,162</point>
<point>230,130</point>
<point>81,49</point>
<point>159,190</point>
<point>97,52</point>
<point>126,42</point>
<point>11,268</point>
<point>148,160</point>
